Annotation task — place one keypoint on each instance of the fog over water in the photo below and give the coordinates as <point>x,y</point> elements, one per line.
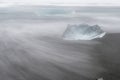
<point>32,48</point>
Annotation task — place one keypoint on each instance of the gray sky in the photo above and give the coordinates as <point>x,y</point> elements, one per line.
<point>4,3</point>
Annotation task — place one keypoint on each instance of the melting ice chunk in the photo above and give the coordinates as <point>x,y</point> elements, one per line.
<point>83,32</point>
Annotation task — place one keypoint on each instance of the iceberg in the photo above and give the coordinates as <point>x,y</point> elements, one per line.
<point>83,32</point>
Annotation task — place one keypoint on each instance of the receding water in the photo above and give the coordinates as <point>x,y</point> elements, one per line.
<point>32,48</point>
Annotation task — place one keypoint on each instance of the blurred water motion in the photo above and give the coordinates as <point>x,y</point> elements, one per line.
<point>31,48</point>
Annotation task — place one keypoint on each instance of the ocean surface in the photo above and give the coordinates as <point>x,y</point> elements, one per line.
<point>32,48</point>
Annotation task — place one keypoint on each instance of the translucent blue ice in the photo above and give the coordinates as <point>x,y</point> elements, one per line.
<point>83,32</point>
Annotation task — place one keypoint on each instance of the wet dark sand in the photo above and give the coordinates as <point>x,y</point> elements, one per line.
<point>109,55</point>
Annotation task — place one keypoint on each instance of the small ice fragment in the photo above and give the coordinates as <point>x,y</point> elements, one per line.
<point>100,79</point>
